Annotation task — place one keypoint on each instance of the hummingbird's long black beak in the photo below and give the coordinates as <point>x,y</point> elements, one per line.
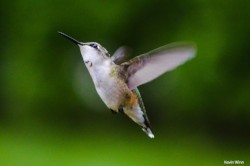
<point>70,38</point>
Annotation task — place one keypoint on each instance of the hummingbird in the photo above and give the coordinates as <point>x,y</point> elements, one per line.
<point>116,83</point>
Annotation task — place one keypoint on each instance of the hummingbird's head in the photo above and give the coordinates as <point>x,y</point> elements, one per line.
<point>91,51</point>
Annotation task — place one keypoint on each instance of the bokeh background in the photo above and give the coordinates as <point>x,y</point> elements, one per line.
<point>51,115</point>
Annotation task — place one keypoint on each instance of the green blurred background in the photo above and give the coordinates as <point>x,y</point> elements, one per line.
<point>51,115</point>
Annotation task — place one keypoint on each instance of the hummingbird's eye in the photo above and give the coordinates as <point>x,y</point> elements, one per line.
<point>93,46</point>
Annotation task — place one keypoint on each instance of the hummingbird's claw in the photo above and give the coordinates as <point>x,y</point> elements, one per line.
<point>120,110</point>
<point>113,112</point>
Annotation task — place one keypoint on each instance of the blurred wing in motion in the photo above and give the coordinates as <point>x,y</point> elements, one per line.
<point>120,54</point>
<point>151,65</point>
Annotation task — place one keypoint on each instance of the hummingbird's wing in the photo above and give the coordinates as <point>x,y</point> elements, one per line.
<point>149,66</point>
<point>120,53</point>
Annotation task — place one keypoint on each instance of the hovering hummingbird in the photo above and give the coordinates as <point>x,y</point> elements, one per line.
<point>116,83</point>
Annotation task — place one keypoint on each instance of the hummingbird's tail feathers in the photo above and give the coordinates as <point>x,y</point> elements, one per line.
<point>148,131</point>
<point>138,116</point>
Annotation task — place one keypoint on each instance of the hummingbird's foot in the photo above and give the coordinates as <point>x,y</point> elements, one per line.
<point>120,110</point>
<point>113,112</point>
